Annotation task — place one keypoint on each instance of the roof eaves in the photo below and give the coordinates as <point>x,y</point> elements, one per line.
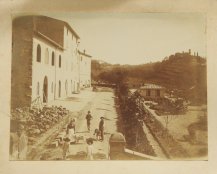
<point>79,52</point>
<point>49,40</point>
<point>73,31</point>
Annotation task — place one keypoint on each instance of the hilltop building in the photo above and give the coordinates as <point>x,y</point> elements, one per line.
<point>45,60</point>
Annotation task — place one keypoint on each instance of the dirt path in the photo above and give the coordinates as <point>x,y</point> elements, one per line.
<point>100,104</point>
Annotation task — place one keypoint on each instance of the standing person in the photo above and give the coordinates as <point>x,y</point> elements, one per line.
<point>101,128</point>
<point>14,139</point>
<point>89,149</point>
<point>65,147</point>
<point>71,131</point>
<point>71,126</point>
<point>22,143</point>
<point>88,118</point>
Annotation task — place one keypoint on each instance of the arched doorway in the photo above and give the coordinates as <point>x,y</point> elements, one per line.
<point>59,89</point>
<point>45,90</point>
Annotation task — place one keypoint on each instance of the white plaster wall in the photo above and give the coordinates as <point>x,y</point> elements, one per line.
<point>69,74</point>
<point>70,67</point>
<point>40,69</point>
<point>85,70</point>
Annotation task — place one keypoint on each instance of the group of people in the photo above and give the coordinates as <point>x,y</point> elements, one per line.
<point>71,136</point>
<point>98,132</point>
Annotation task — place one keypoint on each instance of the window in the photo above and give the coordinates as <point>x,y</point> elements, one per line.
<point>53,59</point>
<point>38,53</point>
<point>38,89</point>
<point>59,88</point>
<point>148,92</point>
<point>66,87</point>
<point>46,60</point>
<point>60,61</point>
<point>52,87</point>
<point>71,86</point>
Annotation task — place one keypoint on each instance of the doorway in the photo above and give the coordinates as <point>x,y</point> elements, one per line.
<point>45,90</point>
<point>59,95</point>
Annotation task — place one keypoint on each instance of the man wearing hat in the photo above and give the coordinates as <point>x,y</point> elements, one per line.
<point>88,118</point>
<point>101,128</point>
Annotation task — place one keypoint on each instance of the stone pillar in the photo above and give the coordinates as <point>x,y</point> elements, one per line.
<point>117,144</point>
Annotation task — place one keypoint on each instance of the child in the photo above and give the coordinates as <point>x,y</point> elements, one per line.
<point>97,133</point>
<point>89,149</point>
<point>71,127</point>
<point>65,147</point>
<point>101,127</point>
<point>70,132</point>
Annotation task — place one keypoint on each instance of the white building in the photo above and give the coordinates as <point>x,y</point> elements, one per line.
<point>45,60</point>
<point>85,69</point>
<point>152,91</point>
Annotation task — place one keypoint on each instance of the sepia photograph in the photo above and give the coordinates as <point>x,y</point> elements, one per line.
<point>108,86</point>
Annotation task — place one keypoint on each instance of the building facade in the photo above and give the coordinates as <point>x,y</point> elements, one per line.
<point>45,60</point>
<point>85,69</point>
<point>152,91</point>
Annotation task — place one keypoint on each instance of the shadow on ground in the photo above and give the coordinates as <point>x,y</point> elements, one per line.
<point>76,99</point>
<point>103,109</point>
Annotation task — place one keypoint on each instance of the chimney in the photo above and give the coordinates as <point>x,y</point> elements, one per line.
<point>197,54</point>
<point>84,51</point>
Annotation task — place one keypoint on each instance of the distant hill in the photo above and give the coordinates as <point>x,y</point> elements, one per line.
<point>182,72</point>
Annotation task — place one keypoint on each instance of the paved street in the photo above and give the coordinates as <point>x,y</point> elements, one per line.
<point>100,104</point>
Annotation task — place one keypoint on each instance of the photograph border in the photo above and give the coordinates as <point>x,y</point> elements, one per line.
<point>7,8</point>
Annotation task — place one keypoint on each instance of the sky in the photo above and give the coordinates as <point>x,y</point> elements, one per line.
<point>137,38</point>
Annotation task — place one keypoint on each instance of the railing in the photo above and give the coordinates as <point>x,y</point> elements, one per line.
<point>37,102</point>
<point>104,85</point>
<point>143,155</point>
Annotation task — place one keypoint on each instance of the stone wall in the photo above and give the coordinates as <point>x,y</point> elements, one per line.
<point>21,62</point>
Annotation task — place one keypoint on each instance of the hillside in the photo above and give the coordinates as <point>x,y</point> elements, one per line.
<point>183,73</point>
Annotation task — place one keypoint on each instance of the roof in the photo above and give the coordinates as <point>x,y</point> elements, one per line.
<point>151,86</point>
<point>70,28</point>
<point>117,137</point>
<point>49,40</point>
<point>84,54</point>
<point>63,22</point>
<point>133,90</point>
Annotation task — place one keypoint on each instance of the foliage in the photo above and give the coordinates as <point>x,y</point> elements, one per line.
<point>131,113</point>
<point>181,71</point>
